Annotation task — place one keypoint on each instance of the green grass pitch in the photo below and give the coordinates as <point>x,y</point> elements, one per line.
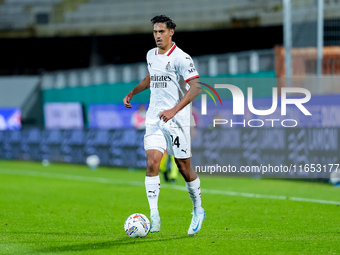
<point>69,209</point>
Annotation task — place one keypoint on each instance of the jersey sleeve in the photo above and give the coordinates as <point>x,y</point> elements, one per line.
<point>148,56</point>
<point>187,68</point>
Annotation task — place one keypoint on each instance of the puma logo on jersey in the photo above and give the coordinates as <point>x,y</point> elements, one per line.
<point>185,151</point>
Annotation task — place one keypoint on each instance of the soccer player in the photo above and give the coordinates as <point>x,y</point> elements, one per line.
<point>173,82</point>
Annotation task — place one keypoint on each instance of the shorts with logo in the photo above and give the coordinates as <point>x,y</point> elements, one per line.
<point>176,140</point>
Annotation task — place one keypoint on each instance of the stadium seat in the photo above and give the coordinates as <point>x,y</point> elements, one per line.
<point>107,16</point>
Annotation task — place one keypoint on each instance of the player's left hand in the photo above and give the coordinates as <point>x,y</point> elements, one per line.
<point>167,115</point>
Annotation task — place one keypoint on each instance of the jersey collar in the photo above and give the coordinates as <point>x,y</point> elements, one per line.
<point>169,51</point>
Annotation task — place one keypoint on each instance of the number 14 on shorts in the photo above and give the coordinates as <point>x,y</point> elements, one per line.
<point>175,141</point>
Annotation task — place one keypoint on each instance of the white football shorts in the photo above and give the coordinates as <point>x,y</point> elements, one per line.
<point>176,140</point>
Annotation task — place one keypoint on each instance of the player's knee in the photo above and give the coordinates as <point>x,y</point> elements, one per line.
<point>152,165</point>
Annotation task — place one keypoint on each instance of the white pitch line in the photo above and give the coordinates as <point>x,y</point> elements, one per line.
<point>167,186</point>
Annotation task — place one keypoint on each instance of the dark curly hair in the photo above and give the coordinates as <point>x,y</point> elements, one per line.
<point>164,19</point>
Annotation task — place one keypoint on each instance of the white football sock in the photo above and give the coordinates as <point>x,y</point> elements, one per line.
<point>152,186</point>
<point>194,189</point>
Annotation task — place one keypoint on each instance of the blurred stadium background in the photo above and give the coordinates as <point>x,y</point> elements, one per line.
<point>66,65</point>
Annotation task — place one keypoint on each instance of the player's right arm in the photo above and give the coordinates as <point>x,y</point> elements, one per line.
<point>143,85</point>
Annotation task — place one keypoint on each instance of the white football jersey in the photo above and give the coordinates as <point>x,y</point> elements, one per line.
<point>169,74</point>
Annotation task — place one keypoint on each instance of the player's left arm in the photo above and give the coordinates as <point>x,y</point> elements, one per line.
<point>190,95</point>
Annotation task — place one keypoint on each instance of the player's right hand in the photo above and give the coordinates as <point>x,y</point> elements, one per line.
<point>127,100</point>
